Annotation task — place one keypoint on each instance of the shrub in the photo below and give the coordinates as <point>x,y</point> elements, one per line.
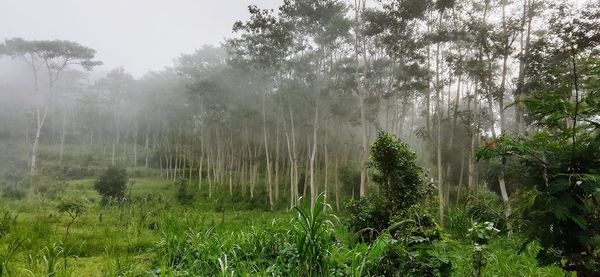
<point>488,208</point>
<point>481,234</point>
<point>400,181</point>
<point>75,208</point>
<point>350,178</point>
<point>408,248</point>
<point>111,184</point>
<point>183,196</point>
<point>369,216</point>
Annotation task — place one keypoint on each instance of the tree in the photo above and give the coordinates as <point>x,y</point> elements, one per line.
<point>53,57</point>
<point>397,173</point>
<point>560,200</point>
<point>400,181</point>
<point>111,184</point>
<point>74,208</point>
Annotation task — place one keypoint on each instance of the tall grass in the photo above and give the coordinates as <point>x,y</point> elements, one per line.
<point>313,238</point>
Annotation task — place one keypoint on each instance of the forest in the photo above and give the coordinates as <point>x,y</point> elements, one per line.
<point>320,138</point>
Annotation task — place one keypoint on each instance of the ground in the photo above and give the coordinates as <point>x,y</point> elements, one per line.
<point>133,240</point>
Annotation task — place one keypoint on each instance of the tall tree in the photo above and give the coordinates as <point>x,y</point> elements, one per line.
<point>51,57</point>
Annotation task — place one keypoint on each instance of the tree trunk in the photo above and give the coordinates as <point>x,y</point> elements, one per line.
<point>524,53</point>
<point>313,188</point>
<point>438,89</point>
<point>268,177</point>
<point>146,145</point>
<point>62,134</point>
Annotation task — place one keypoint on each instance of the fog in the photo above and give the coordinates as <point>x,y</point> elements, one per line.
<point>140,35</point>
<point>176,124</point>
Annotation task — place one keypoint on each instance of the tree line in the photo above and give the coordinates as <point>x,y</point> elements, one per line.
<point>298,94</point>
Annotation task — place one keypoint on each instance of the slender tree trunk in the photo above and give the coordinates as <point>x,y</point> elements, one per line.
<point>268,177</point>
<point>337,189</point>
<point>62,135</point>
<point>460,178</point>
<point>276,183</point>
<point>313,187</point>
<point>326,156</point>
<point>438,89</point>
<point>524,53</point>
<point>40,119</point>
<point>474,139</point>
<point>135,137</point>
<point>146,147</point>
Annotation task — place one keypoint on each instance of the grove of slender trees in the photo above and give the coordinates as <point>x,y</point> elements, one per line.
<point>298,94</point>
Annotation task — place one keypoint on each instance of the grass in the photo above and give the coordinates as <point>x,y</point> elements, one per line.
<point>156,236</point>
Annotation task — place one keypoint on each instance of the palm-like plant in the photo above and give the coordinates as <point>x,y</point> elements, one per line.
<point>313,235</point>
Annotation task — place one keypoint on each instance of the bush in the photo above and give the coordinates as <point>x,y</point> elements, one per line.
<point>481,234</point>
<point>408,248</point>
<point>370,216</point>
<point>111,184</point>
<point>400,182</point>
<point>350,178</point>
<point>183,196</point>
<point>488,207</point>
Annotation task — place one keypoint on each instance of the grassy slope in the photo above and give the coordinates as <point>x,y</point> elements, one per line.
<point>124,240</point>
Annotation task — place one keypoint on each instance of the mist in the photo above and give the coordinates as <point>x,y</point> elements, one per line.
<point>299,138</point>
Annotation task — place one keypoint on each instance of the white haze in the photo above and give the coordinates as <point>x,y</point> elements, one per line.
<point>140,35</point>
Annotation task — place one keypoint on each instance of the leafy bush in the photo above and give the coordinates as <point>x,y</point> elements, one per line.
<point>400,181</point>
<point>408,248</point>
<point>481,234</point>
<point>183,196</point>
<point>488,207</point>
<point>111,184</point>
<point>350,178</point>
<point>369,216</point>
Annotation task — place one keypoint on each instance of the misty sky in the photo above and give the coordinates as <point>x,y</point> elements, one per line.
<point>140,35</point>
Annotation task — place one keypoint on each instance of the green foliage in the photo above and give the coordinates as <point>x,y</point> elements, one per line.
<point>559,204</point>
<point>51,256</point>
<point>8,252</point>
<point>369,216</point>
<point>487,207</point>
<point>401,186</point>
<point>349,176</point>
<point>409,248</point>
<point>313,237</point>
<point>418,235</point>
<point>397,173</point>
<point>50,50</point>
<point>111,184</point>
<point>8,220</point>
<point>183,196</point>
<point>74,208</point>
<point>481,235</point>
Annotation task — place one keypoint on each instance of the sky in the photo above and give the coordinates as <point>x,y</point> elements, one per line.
<point>140,35</point>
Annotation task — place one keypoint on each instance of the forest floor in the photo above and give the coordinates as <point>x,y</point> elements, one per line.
<point>130,240</point>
